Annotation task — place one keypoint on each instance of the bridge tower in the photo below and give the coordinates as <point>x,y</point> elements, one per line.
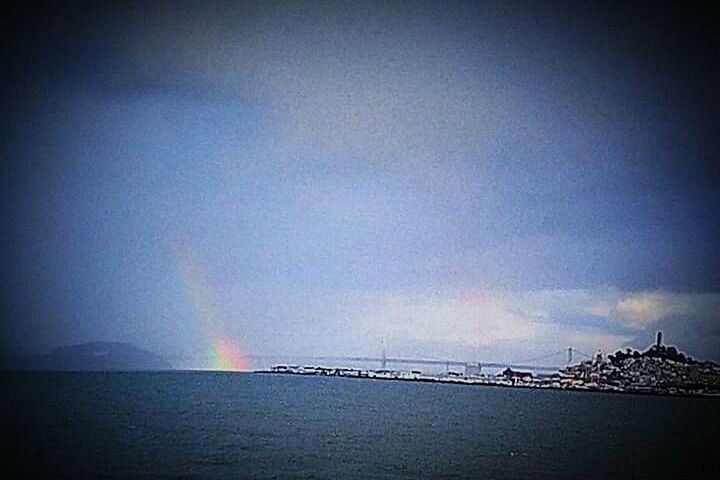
<point>570,356</point>
<point>384,354</point>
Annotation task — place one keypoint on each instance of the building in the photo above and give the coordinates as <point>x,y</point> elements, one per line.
<point>472,369</point>
<point>515,376</point>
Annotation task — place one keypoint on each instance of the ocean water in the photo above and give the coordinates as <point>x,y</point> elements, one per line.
<point>247,426</point>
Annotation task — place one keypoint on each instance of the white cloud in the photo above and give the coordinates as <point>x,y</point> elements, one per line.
<point>477,319</point>
<point>634,310</point>
<point>491,324</point>
<point>538,320</point>
<point>480,323</point>
<point>643,309</point>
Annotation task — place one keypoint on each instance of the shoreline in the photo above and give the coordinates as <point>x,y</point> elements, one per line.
<point>467,382</point>
<point>426,379</point>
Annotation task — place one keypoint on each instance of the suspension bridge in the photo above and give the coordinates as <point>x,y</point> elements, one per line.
<point>539,363</point>
<point>526,364</point>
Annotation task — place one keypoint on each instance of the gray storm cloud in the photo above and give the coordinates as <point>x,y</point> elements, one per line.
<point>509,177</point>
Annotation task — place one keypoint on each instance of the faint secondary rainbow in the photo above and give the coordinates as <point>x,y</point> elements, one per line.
<point>224,354</point>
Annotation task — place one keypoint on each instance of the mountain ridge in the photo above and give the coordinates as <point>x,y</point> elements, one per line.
<point>90,356</point>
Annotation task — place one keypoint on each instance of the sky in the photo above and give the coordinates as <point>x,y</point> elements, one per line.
<point>488,181</point>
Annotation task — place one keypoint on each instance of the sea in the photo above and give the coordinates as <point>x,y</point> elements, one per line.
<point>225,425</point>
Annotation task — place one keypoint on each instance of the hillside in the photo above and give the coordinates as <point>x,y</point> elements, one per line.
<point>94,356</point>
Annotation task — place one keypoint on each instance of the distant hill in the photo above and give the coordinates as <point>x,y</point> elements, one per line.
<point>95,356</point>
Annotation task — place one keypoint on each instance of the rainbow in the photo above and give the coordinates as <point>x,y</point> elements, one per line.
<point>224,352</point>
<point>227,355</point>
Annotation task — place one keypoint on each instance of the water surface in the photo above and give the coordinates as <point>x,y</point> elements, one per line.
<point>229,425</point>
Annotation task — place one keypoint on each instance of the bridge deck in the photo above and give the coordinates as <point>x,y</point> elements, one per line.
<point>413,361</point>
